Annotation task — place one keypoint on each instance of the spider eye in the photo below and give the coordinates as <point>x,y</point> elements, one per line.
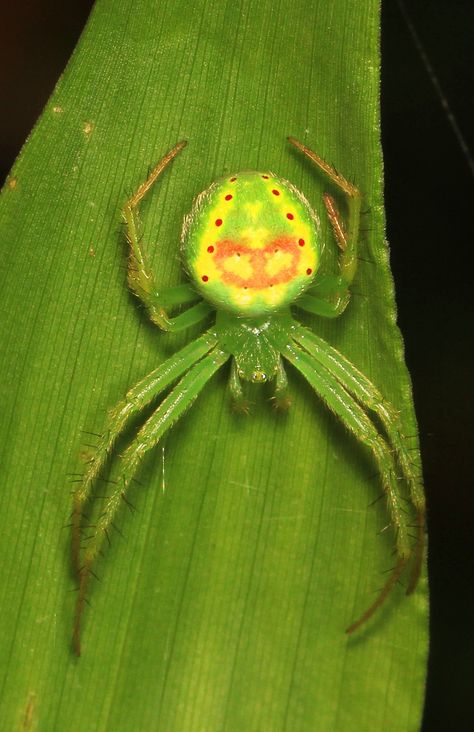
<point>259,376</point>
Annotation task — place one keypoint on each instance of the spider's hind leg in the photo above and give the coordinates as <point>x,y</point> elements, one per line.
<point>328,297</point>
<point>329,294</point>
<point>346,234</point>
<point>141,279</point>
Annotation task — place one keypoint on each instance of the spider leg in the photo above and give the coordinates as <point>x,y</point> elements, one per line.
<point>327,297</point>
<point>141,279</point>
<point>395,575</point>
<point>135,399</point>
<point>369,397</point>
<point>346,236</point>
<point>355,419</point>
<point>190,317</point>
<point>169,411</point>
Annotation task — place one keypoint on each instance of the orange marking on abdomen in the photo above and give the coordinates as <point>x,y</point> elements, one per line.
<point>258,260</point>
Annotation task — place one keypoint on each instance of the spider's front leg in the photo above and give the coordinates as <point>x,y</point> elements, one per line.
<point>135,400</point>
<point>350,396</point>
<point>141,279</point>
<point>202,359</point>
<point>330,295</point>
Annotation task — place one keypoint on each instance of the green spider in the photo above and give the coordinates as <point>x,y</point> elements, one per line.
<point>251,248</point>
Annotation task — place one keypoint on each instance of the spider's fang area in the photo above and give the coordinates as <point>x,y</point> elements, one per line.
<point>241,407</point>
<point>281,404</point>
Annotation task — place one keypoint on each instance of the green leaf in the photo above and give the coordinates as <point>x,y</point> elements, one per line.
<point>253,544</point>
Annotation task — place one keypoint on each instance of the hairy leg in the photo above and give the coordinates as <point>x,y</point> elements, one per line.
<point>329,295</point>
<point>346,236</point>
<point>141,279</point>
<point>355,419</point>
<point>371,399</point>
<point>170,410</point>
<point>135,399</point>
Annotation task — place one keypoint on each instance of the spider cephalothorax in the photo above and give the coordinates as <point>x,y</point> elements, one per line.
<point>251,247</point>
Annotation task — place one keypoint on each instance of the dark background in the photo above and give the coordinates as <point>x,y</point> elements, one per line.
<point>429,199</point>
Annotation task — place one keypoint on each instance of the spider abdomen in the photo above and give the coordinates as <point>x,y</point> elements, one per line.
<point>250,243</point>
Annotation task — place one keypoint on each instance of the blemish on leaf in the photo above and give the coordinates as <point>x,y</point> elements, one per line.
<point>28,718</point>
<point>85,455</point>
